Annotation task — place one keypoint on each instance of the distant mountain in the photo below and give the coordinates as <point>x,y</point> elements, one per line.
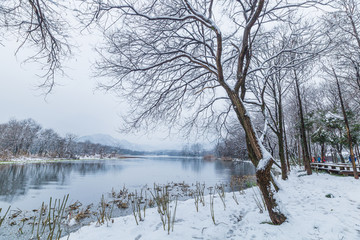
<point>108,140</point>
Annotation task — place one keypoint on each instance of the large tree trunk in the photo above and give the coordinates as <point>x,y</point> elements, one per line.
<point>338,148</point>
<point>263,178</point>
<point>309,145</point>
<point>342,159</point>
<point>348,133</point>
<point>280,136</point>
<point>306,156</point>
<point>286,149</point>
<point>322,151</point>
<point>263,174</point>
<point>300,153</point>
<point>282,158</point>
<point>333,156</point>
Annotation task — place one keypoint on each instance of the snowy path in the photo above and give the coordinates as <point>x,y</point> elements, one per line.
<point>311,215</point>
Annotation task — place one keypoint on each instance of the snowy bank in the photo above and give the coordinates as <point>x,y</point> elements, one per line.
<point>320,206</point>
<point>23,160</point>
<point>34,159</point>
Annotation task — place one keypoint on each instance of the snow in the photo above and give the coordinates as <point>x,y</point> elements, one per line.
<point>311,215</point>
<point>266,157</point>
<point>35,159</point>
<point>264,131</point>
<point>330,115</point>
<point>24,160</point>
<point>72,222</point>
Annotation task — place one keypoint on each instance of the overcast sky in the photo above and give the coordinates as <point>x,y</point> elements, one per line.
<point>74,107</point>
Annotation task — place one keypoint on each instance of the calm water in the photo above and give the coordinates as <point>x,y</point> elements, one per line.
<point>27,186</point>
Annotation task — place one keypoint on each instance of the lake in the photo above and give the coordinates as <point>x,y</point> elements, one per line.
<point>26,186</point>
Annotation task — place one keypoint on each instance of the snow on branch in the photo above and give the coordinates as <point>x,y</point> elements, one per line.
<point>266,160</point>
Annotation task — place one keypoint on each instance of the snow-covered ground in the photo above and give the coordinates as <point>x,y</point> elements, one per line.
<point>34,159</point>
<point>320,206</point>
<point>23,160</point>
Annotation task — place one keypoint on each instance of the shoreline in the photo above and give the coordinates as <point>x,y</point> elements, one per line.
<point>25,160</point>
<point>326,210</point>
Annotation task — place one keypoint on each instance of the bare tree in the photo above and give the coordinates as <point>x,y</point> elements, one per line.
<point>272,86</point>
<point>343,63</point>
<point>45,144</point>
<point>39,24</point>
<point>303,135</point>
<point>18,137</point>
<point>343,23</point>
<point>174,57</point>
<point>70,140</point>
<point>233,144</point>
<point>336,76</point>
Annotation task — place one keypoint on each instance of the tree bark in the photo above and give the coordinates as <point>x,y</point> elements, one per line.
<point>263,179</point>
<point>286,149</point>
<point>306,157</point>
<point>309,145</point>
<point>300,153</point>
<point>322,151</point>
<point>333,157</point>
<point>348,132</point>
<point>342,159</point>
<point>263,174</point>
<point>280,136</point>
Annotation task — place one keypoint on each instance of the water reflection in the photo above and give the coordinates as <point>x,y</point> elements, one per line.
<point>16,180</point>
<point>192,163</point>
<point>29,184</point>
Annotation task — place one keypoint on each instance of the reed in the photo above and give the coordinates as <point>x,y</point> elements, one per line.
<point>84,213</point>
<point>50,220</point>
<point>260,201</point>
<point>3,217</point>
<point>212,195</point>
<point>162,199</point>
<point>136,201</point>
<point>234,195</point>
<point>221,192</point>
<point>104,215</point>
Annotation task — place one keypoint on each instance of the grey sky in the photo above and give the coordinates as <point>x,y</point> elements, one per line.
<point>73,107</point>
